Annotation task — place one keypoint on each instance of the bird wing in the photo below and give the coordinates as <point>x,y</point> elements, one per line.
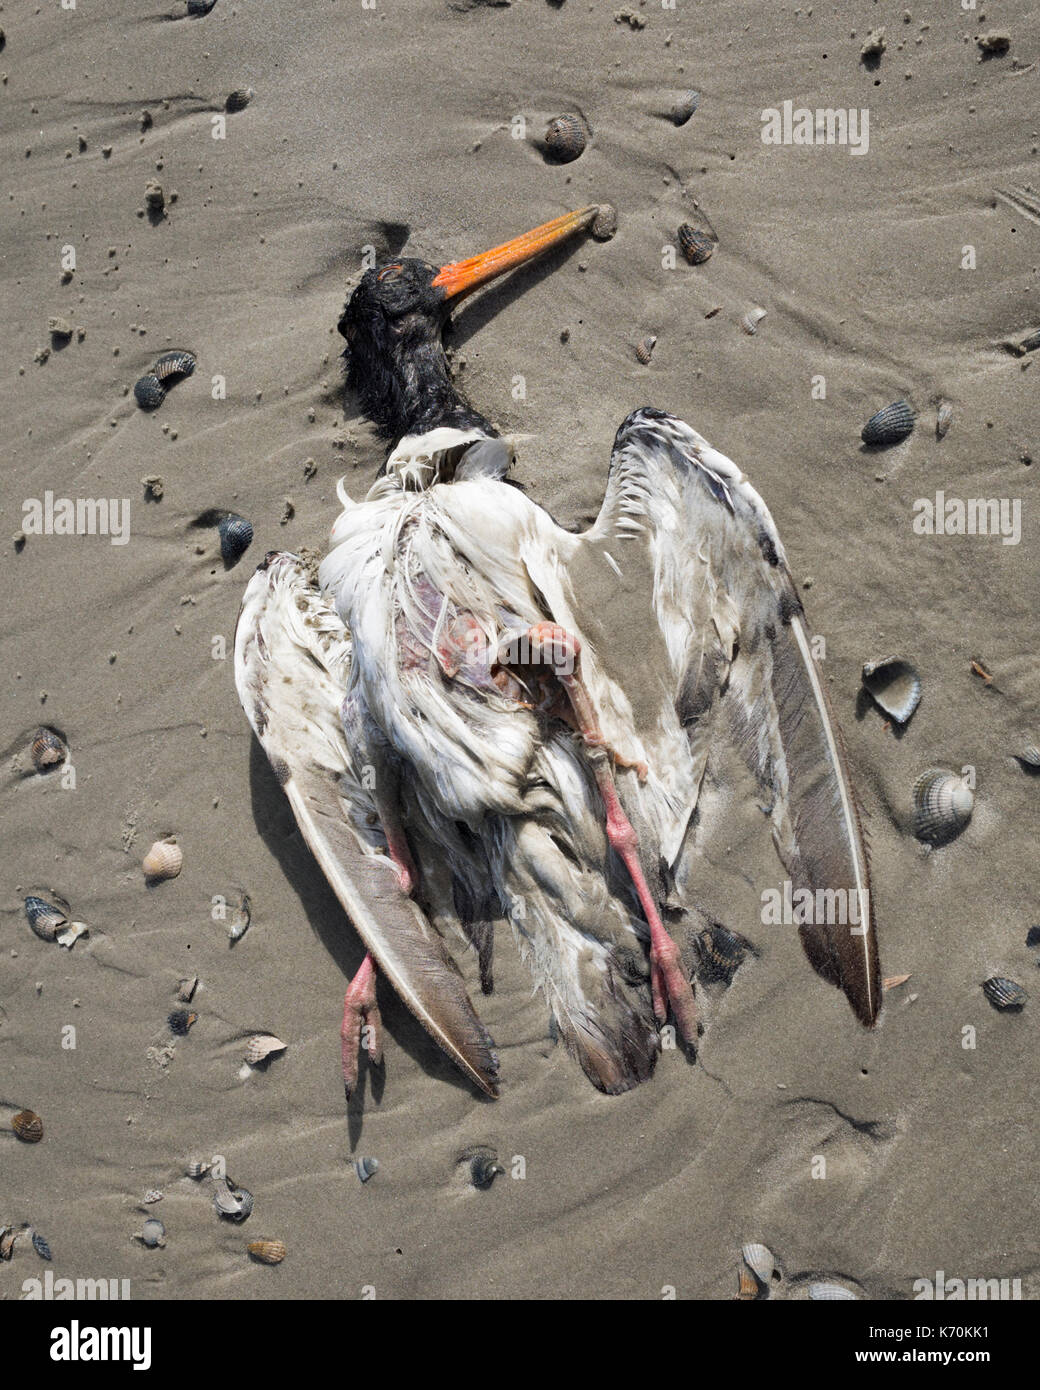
<point>721,644</point>
<point>292,670</point>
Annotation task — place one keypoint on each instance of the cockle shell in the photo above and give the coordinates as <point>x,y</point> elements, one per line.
<point>267,1252</point>
<point>149,392</point>
<point>684,106</point>
<point>759,1259</point>
<point>261,1046</point>
<point>8,1236</point>
<point>197,1168</point>
<point>890,425</point>
<point>645,349</point>
<point>696,243</point>
<point>721,953</point>
<point>749,323</point>
<point>943,804</point>
<point>239,99</point>
<point>236,535</point>
<point>174,366</point>
<point>483,1164</point>
<point>41,1247</point>
<point>894,685</point>
<point>943,419</point>
<point>45,919</point>
<point>200,7</point>
<point>1030,755</point>
<point>28,1126</point>
<point>604,224</point>
<point>1004,994</point>
<point>231,1202</point>
<point>163,860</point>
<point>48,749</point>
<point>152,1233</point>
<point>748,1287</point>
<point>180,1022</point>
<point>366,1168</point>
<point>566,137</point>
<point>824,1290</point>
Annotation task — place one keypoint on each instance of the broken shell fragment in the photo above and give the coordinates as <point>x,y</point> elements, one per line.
<point>163,860</point>
<point>267,1252</point>
<point>696,243</point>
<point>484,1166</point>
<point>236,535</point>
<point>28,1126</point>
<point>69,935</point>
<point>239,99</point>
<point>240,919</point>
<point>152,1233</point>
<point>41,1247</point>
<point>1030,755</point>
<point>186,988</point>
<point>262,1046</point>
<point>749,323</point>
<point>824,1290</point>
<point>890,425</point>
<point>645,349</point>
<point>154,197</point>
<point>1005,995</point>
<point>48,749</point>
<point>759,1259</point>
<point>943,804</point>
<point>8,1236</point>
<point>566,137</point>
<point>231,1202</point>
<point>149,392</point>
<point>197,1168</point>
<point>748,1287</point>
<point>943,419</point>
<point>684,106</point>
<point>366,1168</point>
<point>894,686</point>
<point>604,224</point>
<point>180,1022</point>
<point>153,1195</point>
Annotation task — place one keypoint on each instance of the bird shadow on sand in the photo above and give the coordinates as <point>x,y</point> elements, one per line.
<point>277,828</point>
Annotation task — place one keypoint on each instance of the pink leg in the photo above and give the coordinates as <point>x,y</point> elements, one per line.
<point>668,982</point>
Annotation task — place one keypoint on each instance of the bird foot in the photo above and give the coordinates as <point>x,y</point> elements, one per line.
<point>362,1026</point>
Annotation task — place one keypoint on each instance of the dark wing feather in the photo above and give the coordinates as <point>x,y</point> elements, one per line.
<point>292,667</point>
<point>740,657</point>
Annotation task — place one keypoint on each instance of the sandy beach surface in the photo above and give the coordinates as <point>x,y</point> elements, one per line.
<point>415,125</point>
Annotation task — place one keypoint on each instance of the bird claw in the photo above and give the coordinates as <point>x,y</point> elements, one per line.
<point>669,986</point>
<point>362,1027</point>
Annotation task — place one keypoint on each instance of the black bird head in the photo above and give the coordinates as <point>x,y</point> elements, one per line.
<point>393,323</point>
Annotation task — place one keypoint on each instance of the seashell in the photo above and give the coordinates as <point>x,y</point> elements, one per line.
<point>696,243</point>
<point>163,860</point>
<point>197,1168</point>
<point>566,137</point>
<point>153,1195</point>
<point>240,919</point>
<point>1029,343</point>
<point>943,419</point>
<point>262,1046</point>
<point>200,7</point>
<point>41,1247</point>
<point>604,224</point>
<point>186,988</point>
<point>231,1202</point>
<point>721,954</point>
<point>59,328</point>
<point>943,804</point>
<point>890,425</point>
<point>149,392</point>
<point>69,935</point>
<point>749,323</point>
<point>824,1290</point>
<point>48,749</point>
<point>759,1260</point>
<point>8,1236</point>
<point>894,686</point>
<point>240,99</point>
<point>45,919</point>
<point>645,349</point>
<point>1005,995</point>
<point>366,1168</point>
<point>174,366</point>
<point>267,1252</point>
<point>28,1126</point>
<point>236,534</point>
<point>153,1233</point>
<point>180,1022</point>
<point>1030,755</point>
<point>748,1287</point>
<point>484,1167</point>
<point>154,197</point>
<point>685,105</point>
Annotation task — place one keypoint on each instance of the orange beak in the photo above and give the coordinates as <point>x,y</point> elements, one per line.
<point>463,277</point>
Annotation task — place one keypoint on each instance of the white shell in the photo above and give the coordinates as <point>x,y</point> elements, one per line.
<point>240,918</point>
<point>261,1046</point>
<point>749,323</point>
<point>759,1259</point>
<point>894,686</point>
<point>1030,754</point>
<point>234,1203</point>
<point>186,988</point>
<point>163,860</point>
<point>69,935</point>
<point>826,1290</point>
<point>943,804</point>
<point>197,1168</point>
